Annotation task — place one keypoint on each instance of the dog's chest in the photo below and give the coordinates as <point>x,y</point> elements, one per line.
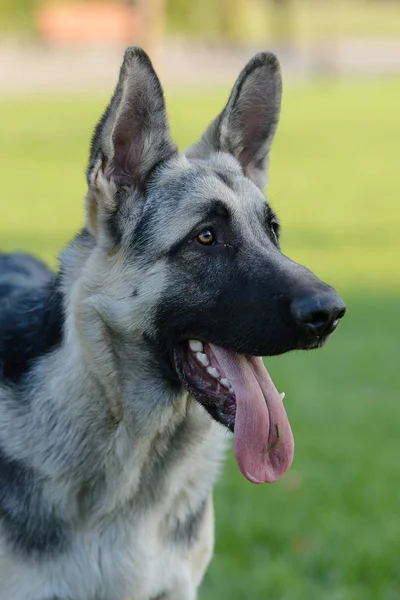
<point>114,561</point>
<point>127,559</point>
<point>143,548</point>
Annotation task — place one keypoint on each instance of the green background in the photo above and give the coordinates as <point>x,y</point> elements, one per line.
<point>330,529</point>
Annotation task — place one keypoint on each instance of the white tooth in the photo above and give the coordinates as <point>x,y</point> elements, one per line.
<point>213,372</point>
<point>281,396</point>
<point>196,346</point>
<point>202,358</point>
<point>225,382</point>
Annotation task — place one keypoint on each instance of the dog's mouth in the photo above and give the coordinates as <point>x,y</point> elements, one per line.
<point>238,392</point>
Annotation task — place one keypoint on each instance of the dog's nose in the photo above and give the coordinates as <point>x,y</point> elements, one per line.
<point>319,313</point>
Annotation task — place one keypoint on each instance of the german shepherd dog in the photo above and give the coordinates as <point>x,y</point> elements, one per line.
<point>121,374</point>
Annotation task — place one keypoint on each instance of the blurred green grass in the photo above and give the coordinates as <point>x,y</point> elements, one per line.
<point>331,528</point>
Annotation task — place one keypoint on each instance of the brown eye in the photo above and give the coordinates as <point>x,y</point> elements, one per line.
<point>206,237</point>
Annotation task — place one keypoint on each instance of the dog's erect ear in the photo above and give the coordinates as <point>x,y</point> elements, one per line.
<point>247,125</point>
<point>133,135</point>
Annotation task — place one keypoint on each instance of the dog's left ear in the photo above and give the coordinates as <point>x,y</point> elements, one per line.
<point>131,138</point>
<point>247,125</point>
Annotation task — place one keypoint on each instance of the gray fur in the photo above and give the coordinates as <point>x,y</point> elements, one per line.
<point>106,463</point>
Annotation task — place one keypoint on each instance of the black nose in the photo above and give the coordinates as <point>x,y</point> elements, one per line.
<point>320,313</point>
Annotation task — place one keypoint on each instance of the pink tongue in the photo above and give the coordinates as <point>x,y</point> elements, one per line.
<point>263,439</point>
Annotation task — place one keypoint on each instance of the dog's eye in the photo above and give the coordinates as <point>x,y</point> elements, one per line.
<point>275,228</point>
<point>207,238</point>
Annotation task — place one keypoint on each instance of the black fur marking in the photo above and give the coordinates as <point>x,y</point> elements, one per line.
<point>225,179</point>
<point>151,175</point>
<point>187,531</point>
<point>20,271</point>
<point>31,323</point>
<point>233,286</point>
<point>141,232</point>
<point>6,289</point>
<point>29,524</point>
<point>113,221</point>
<point>218,209</point>
<point>155,473</point>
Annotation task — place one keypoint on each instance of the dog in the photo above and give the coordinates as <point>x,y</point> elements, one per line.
<point>120,374</point>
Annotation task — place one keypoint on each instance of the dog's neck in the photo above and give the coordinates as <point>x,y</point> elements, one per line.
<point>126,366</point>
<point>134,456</point>
<point>70,431</point>
<point>71,437</point>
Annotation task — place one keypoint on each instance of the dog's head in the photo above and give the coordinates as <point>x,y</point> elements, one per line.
<point>187,254</point>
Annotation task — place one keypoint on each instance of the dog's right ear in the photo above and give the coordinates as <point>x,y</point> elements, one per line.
<point>131,139</point>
